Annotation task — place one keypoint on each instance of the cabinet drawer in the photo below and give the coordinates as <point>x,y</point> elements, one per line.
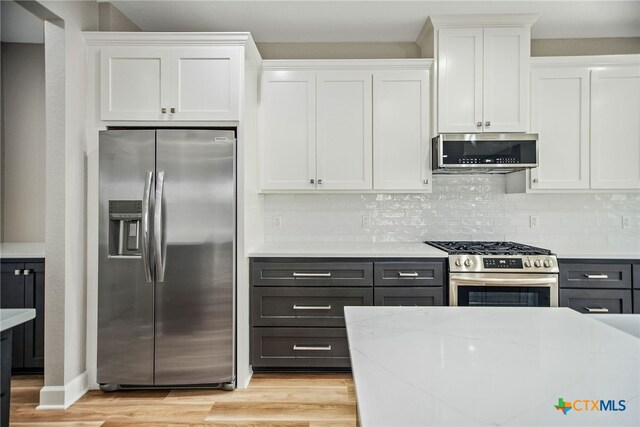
<point>409,296</point>
<point>594,275</point>
<point>311,273</point>
<point>408,274</point>
<point>299,348</point>
<point>305,306</point>
<point>596,300</point>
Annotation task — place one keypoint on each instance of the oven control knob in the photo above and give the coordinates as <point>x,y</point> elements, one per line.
<point>459,262</point>
<point>548,263</point>
<point>467,263</point>
<point>527,263</point>
<point>537,263</point>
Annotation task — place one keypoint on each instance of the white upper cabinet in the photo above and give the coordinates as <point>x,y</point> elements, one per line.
<point>205,83</point>
<point>482,72</point>
<point>401,130</point>
<point>344,149</point>
<point>506,79</point>
<point>460,80</point>
<point>162,83</point>
<point>134,83</point>
<point>585,111</point>
<point>345,125</point>
<point>615,127</point>
<point>288,130</point>
<point>560,116</point>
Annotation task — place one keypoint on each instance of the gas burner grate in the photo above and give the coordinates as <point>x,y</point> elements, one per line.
<point>487,248</point>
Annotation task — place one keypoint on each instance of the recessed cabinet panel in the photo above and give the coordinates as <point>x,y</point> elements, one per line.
<point>134,83</point>
<point>560,116</point>
<point>506,79</point>
<point>459,80</point>
<point>400,130</point>
<point>344,130</point>
<point>615,134</point>
<point>205,83</point>
<point>288,129</point>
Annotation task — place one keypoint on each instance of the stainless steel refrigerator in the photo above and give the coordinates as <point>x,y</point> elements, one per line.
<point>166,290</point>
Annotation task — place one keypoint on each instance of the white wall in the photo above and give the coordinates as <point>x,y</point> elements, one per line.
<point>460,208</point>
<point>23,143</point>
<point>112,19</point>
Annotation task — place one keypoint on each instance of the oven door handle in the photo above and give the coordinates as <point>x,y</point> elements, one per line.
<point>498,281</point>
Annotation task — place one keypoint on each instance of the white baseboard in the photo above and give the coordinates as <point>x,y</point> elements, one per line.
<point>247,380</point>
<point>61,397</point>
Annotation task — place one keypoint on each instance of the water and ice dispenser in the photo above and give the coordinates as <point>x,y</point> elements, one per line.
<point>125,218</point>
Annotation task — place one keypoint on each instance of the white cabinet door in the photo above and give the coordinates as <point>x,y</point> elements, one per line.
<point>401,130</point>
<point>134,83</point>
<point>459,80</point>
<point>205,83</point>
<point>615,128</point>
<point>344,144</point>
<point>506,79</point>
<point>288,130</point>
<point>560,115</point>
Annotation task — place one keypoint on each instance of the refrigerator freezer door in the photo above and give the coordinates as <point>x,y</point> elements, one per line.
<point>125,298</point>
<point>194,303</point>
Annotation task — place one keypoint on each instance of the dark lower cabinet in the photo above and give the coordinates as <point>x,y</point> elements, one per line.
<point>297,304</point>
<point>409,297</point>
<point>22,286</point>
<point>596,301</point>
<point>599,285</point>
<point>300,348</point>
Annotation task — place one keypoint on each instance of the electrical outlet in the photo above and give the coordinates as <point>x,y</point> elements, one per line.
<point>277,221</point>
<point>366,222</point>
<point>534,221</point>
<point>626,221</point>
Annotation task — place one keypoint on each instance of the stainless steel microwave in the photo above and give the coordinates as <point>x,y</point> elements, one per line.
<point>484,152</point>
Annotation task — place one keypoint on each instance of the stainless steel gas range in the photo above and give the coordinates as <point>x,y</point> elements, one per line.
<point>500,274</point>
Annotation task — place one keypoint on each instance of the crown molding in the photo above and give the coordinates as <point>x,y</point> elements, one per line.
<point>584,61</point>
<point>487,20</point>
<point>346,64</point>
<point>135,38</point>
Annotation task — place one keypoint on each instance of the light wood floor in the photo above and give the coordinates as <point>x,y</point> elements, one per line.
<point>288,400</point>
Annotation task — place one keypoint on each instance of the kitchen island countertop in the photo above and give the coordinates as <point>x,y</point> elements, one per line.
<point>346,250</point>
<point>481,366</point>
<point>10,317</point>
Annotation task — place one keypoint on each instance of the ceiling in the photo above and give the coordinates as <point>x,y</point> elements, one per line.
<point>374,21</point>
<point>19,25</point>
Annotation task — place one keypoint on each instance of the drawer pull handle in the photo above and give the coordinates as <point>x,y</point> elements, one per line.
<point>311,348</point>
<point>596,276</point>
<point>311,307</point>
<point>296,274</point>
<point>597,309</point>
<point>413,274</point>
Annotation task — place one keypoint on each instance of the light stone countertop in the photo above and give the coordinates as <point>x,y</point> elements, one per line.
<point>488,366</point>
<point>22,250</point>
<point>597,254</point>
<point>346,250</point>
<point>10,317</point>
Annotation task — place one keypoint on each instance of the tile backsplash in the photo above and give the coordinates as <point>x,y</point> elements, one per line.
<point>470,207</point>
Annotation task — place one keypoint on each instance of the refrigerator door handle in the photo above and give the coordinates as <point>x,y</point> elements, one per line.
<point>146,201</point>
<point>157,225</point>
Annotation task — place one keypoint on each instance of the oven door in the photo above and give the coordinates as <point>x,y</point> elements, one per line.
<point>503,289</point>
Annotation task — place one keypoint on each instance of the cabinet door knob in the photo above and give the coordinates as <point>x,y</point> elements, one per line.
<point>319,181</point>
<point>487,123</point>
<point>479,124</point>
<point>535,180</point>
<point>17,272</point>
<point>173,110</point>
<point>426,181</point>
<point>312,181</point>
<point>163,110</point>
<point>26,272</point>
